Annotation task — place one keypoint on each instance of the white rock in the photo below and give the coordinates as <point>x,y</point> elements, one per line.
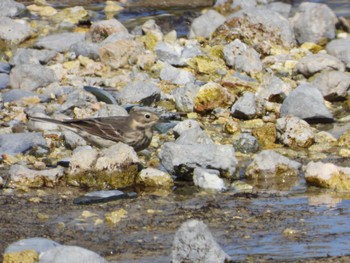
<point>208,179</point>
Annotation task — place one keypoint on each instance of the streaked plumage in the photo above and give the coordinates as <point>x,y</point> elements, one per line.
<point>134,130</point>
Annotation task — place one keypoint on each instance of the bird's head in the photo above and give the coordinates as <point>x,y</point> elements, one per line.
<point>142,119</point>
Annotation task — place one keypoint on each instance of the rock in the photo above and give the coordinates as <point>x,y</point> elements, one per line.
<point>32,56</point>
<point>314,22</point>
<point>194,242</point>
<point>294,132</point>
<point>306,102</point>
<point>241,4</point>
<point>29,77</point>
<point>184,97</point>
<point>340,48</point>
<point>314,63</point>
<point>60,42</point>
<point>67,254</point>
<point>328,175</point>
<point>194,136</point>
<point>21,176</point>
<point>120,53</point>
<point>113,167</point>
<point>70,16</point>
<point>181,159</point>
<point>268,163</point>
<point>344,139</point>
<point>334,85</point>
<point>43,11</point>
<point>246,143</point>
<point>17,95</point>
<point>208,179</point>
<point>136,91</point>
<point>260,27</point>
<point>72,140</point>
<point>77,98</point>
<point>151,177</point>
<point>206,24</point>
<point>5,67</point>
<point>21,142</point>
<point>176,76</point>
<point>245,106</point>
<point>23,256</point>
<point>103,196</point>
<point>212,95</point>
<point>242,57</point>
<point>11,8</point>
<point>38,244</point>
<point>186,125</point>
<point>100,30</point>
<point>4,80</point>
<point>273,89</point>
<point>266,135</point>
<point>13,32</point>
<point>282,8</point>
<point>86,49</point>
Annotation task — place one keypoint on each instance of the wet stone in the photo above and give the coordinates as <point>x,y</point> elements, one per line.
<point>246,143</point>
<point>208,179</point>
<point>103,196</point>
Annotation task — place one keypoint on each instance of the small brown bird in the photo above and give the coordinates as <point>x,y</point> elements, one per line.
<point>135,130</point>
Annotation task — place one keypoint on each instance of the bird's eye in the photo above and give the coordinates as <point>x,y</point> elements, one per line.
<point>147,115</point>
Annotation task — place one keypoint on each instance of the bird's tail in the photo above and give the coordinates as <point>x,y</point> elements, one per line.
<point>41,119</point>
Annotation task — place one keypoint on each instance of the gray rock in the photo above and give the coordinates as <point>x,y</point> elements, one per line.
<point>38,244</point>
<point>5,67</point>
<point>208,179</point>
<point>101,94</point>
<point>246,143</point>
<point>268,163</point>
<point>29,77</point>
<point>86,49</point>
<point>334,85</point>
<point>194,242</point>
<point>194,136</point>
<point>70,254</point>
<point>340,48</point>
<point>13,32</point>
<point>294,132</point>
<point>245,106</point>
<point>15,95</point>
<point>281,8</point>
<point>77,98</point>
<point>21,142</point>
<point>4,80</point>
<point>314,63</point>
<point>242,57</point>
<point>117,36</point>
<point>72,140</point>
<point>206,24</point>
<point>60,42</point>
<point>11,8</point>
<point>306,102</point>
<point>32,56</point>
<point>181,159</point>
<point>186,125</point>
<point>111,110</point>
<point>314,22</point>
<point>134,92</point>
<point>244,4</point>
<point>273,89</point>
<point>100,30</point>
<point>176,76</point>
<point>184,97</point>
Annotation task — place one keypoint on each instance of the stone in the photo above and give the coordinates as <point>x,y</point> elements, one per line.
<point>176,76</point>
<point>60,42</point>
<point>282,8</point>
<point>212,95</point>
<point>32,56</point>
<point>246,143</point>
<point>206,24</point>
<point>5,67</point>
<point>194,136</point>
<point>193,242</point>
<point>294,132</point>
<point>72,140</point>
<point>136,91</point>
<point>13,32</point>
<point>11,8</point>
<point>38,244</point>
<point>340,48</point>
<point>17,95</point>
<point>100,30</point>
<point>245,107</point>
<point>120,53</point>
<point>242,57</point>
<point>21,176</point>
<point>314,22</point>
<point>315,63</point>
<point>334,85</point>
<point>29,77</point>
<point>184,97</point>
<point>268,163</point>
<point>86,49</point>
<point>4,80</point>
<point>181,159</point>
<point>208,179</point>
<point>151,177</point>
<point>77,98</point>
<point>185,125</point>
<point>328,175</point>
<point>306,102</point>
<point>66,254</point>
<point>21,142</point>
<point>273,89</point>
<point>71,16</point>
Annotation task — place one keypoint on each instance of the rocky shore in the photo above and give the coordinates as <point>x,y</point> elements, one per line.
<point>250,94</point>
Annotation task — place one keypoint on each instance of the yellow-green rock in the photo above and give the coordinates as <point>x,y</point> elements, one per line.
<point>26,256</point>
<point>344,139</point>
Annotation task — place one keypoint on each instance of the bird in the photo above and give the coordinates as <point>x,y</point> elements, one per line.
<point>136,129</point>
